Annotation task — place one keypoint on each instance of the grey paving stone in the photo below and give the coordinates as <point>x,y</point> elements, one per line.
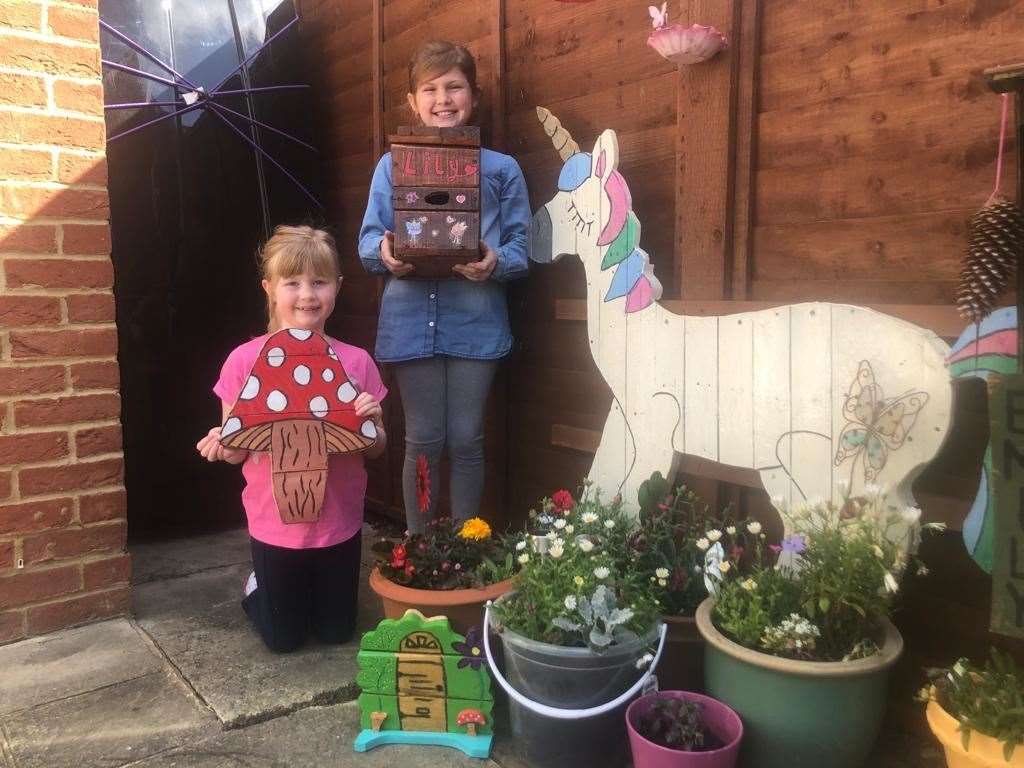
<point>199,623</point>
<point>316,736</point>
<point>51,667</point>
<point>111,726</point>
<point>152,561</point>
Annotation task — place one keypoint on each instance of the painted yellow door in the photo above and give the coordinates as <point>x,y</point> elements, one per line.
<point>420,684</point>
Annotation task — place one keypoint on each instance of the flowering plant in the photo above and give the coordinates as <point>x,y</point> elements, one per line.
<point>834,578</point>
<point>446,556</point>
<point>682,547</point>
<point>579,584</point>
<point>983,699</point>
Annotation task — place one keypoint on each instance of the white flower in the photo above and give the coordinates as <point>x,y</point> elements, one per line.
<point>644,660</point>
<point>556,551</point>
<point>523,559</point>
<point>754,527</point>
<point>890,583</point>
<point>661,573</point>
<point>878,551</point>
<point>558,542</point>
<point>703,544</point>
<point>588,517</point>
<point>520,545</point>
<point>935,526</point>
<point>731,530</point>
<point>552,535</point>
<point>545,519</point>
<point>750,585</point>
<point>609,524</point>
<point>662,582</point>
<point>569,529</point>
<point>586,545</point>
<point>560,524</point>
<point>724,566</point>
<point>714,534</point>
<point>601,572</point>
<point>570,602</point>
<point>577,580</point>
<point>922,570</point>
<point>911,514</point>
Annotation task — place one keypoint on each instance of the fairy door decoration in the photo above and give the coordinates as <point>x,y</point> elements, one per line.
<point>299,404</point>
<point>435,175</point>
<point>423,683</point>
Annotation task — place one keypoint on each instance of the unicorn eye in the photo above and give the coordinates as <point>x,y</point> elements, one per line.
<point>581,224</point>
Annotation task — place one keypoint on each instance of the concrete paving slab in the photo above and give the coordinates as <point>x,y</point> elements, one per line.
<point>198,622</point>
<point>312,737</point>
<point>152,561</point>
<point>55,666</point>
<point>111,726</point>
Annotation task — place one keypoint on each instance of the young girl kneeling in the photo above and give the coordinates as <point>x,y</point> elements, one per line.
<point>306,575</point>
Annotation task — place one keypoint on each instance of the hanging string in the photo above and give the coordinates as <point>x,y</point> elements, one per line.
<point>1002,144</point>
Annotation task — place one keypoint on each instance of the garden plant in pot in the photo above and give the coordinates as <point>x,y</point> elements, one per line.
<point>681,729</point>
<point>976,712</point>
<point>685,549</point>
<point>802,648</point>
<point>576,633</point>
<point>451,569</point>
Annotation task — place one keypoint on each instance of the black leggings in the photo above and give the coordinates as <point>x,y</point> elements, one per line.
<point>302,589</point>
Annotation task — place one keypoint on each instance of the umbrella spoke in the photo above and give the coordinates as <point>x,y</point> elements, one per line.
<point>151,122</point>
<point>255,53</point>
<point>139,49</point>
<point>269,128</point>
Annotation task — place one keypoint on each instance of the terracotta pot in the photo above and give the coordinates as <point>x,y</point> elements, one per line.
<point>800,714</point>
<point>982,751</point>
<point>682,664</point>
<point>463,607</point>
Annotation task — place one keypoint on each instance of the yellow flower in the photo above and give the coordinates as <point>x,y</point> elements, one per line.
<point>475,528</point>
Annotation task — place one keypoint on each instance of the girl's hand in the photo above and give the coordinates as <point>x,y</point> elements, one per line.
<point>209,448</point>
<point>387,256</point>
<point>478,271</point>
<point>367,406</point>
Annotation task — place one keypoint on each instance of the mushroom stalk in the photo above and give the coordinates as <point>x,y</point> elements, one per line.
<point>298,450</point>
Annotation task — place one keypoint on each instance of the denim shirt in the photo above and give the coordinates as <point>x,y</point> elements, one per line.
<point>456,317</point>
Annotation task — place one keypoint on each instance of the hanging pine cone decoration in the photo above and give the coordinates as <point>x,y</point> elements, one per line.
<point>995,247</point>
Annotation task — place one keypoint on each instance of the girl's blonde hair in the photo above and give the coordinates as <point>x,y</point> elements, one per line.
<point>436,57</point>
<point>296,250</point>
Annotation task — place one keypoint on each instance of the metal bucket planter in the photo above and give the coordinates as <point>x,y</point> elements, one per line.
<point>567,705</point>
<point>799,714</point>
<point>463,607</point>
<point>982,751</point>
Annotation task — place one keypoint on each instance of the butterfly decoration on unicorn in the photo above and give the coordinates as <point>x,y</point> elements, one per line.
<point>817,398</point>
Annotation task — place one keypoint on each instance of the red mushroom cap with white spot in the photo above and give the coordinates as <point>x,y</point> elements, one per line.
<point>474,716</point>
<point>297,376</point>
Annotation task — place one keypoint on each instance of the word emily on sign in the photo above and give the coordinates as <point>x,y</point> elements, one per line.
<point>1006,401</point>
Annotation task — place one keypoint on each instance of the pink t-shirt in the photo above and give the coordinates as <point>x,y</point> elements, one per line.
<point>342,514</point>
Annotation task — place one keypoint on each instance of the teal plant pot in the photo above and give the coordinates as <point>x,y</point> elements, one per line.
<point>799,714</point>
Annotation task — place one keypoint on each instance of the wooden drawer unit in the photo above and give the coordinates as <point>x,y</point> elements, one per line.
<point>435,174</point>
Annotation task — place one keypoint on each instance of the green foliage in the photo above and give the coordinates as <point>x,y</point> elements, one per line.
<point>674,723</point>
<point>579,583</point>
<point>839,570</point>
<point>675,533</point>
<point>447,557</point>
<point>989,699</point>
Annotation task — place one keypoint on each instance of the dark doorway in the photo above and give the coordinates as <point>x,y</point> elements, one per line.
<point>191,201</point>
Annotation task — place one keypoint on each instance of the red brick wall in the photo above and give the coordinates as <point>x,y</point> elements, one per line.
<point>62,501</point>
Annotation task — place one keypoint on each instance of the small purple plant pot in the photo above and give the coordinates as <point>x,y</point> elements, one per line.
<point>718,718</point>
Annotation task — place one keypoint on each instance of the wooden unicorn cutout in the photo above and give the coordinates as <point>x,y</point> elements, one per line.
<point>819,399</point>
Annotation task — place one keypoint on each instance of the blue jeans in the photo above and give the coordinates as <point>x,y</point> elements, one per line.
<point>444,400</point>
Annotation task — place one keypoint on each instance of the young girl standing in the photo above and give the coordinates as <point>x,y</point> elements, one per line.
<point>306,575</point>
<point>446,336</point>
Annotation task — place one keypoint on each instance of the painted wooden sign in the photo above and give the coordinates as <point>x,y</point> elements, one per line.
<point>985,349</point>
<point>815,397</point>
<point>1006,414</point>
<point>423,683</point>
<point>298,404</point>
<point>436,198</point>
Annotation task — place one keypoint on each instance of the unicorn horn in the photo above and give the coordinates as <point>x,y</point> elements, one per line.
<point>559,136</point>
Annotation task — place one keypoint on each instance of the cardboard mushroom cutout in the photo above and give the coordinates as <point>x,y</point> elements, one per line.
<point>298,404</point>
